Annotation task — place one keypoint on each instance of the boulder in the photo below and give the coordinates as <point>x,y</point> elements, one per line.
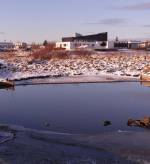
<point>107,123</point>
<point>146,69</point>
<point>145,77</point>
<point>145,74</point>
<point>130,122</point>
<point>145,122</point>
<point>46,124</point>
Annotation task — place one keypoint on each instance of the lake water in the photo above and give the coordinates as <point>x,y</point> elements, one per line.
<point>78,108</point>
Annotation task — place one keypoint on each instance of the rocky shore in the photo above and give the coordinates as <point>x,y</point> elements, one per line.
<point>21,66</point>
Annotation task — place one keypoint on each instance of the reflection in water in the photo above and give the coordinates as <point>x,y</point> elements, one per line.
<point>7,88</point>
<point>145,83</point>
<point>75,108</point>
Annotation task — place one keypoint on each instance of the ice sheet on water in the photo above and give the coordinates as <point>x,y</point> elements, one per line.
<point>5,136</point>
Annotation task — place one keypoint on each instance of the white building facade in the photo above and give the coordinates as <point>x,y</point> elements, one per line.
<point>82,45</point>
<point>96,41</point>
<point>7,46</point>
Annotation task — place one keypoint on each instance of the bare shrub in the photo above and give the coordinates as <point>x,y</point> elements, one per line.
<point>35,46</point>
<point>82,53</point>
<point>50,46</point>
<point>50,52</point>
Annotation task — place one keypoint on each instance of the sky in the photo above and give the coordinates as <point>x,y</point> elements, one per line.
<point>39,20</point>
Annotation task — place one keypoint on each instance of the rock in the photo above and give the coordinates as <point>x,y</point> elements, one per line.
<point>146,69</point>
<point>145,77</point>
<point>145,122</point>
<point>107,123</point>
<point>138,123</point>
<point>130,122</point>
<point>46,124</point>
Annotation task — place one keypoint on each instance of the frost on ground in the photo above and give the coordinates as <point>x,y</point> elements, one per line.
<point>124,64</point>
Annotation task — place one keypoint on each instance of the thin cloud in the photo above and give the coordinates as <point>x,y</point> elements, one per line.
<point>111,21</point>
<point>139,6</point>
<point>147,25</point>
<point>2,33</point>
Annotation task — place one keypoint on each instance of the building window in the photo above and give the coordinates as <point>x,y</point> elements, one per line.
<point>103,44</point>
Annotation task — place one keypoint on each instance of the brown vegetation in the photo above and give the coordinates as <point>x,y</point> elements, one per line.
<point>35,46</point>
<point>50,52</point>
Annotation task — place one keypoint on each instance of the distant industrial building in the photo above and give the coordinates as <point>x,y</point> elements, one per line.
<point>125,44</point>
<point>88,38</point>
<point>11,46</point>
<point>96,41</point>
<point>7,46</point>
<point>144,45</point>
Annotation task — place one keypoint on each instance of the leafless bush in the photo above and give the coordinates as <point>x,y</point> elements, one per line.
<point>50,46</point>
<point>50,52</point>
<point>35,46</point>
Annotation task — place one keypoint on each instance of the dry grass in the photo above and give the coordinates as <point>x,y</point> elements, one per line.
<point>50,52</point>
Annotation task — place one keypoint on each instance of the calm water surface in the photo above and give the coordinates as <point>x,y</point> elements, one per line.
<point>75,108</point>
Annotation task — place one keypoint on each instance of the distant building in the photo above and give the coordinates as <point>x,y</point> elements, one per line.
<point>134,44</point>
<point>96,41</point>
<point>10,46</point>
<point>20,45</point>
<point>144,45</point>
<point>126,44</point>
<point>101,37</point>
<point>7,46</point>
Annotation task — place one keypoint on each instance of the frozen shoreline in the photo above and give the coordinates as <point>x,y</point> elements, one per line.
<point>116,66</point>
<point>45,146</point>
<point>76,79</point>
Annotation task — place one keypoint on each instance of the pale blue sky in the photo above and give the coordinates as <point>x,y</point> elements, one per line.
<point>37,20</point>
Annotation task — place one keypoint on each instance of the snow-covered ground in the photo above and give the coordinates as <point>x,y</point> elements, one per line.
<point>120,64</point>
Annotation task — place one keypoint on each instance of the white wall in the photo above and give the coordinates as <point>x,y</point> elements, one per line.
<point>84,45</point>
<point>111,44</point>
<point>66,45</point>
